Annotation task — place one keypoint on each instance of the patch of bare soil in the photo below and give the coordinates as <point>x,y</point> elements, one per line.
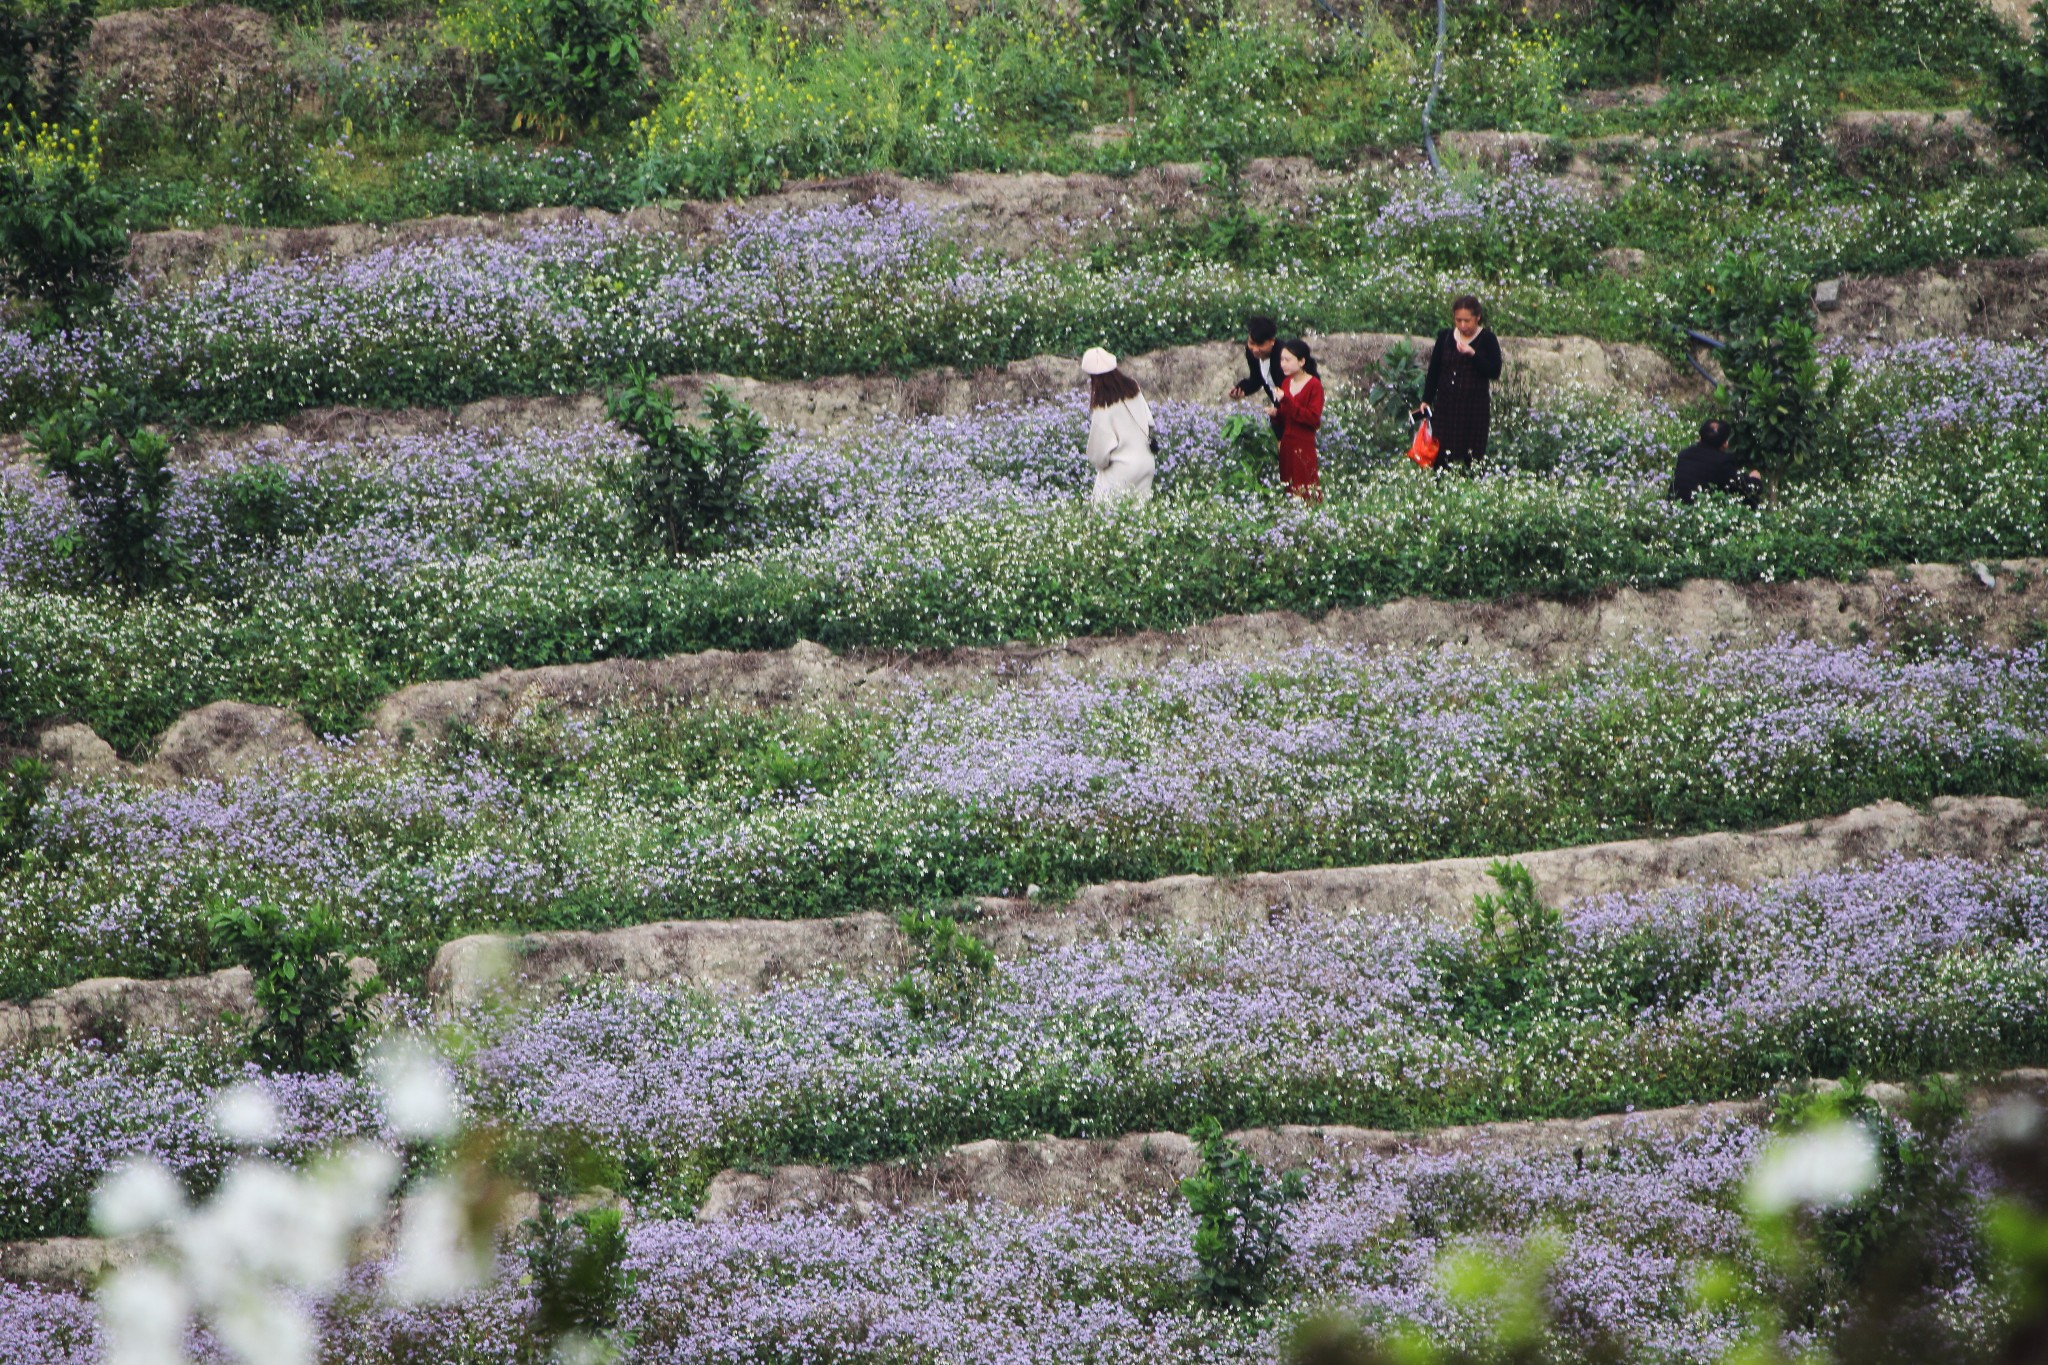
<point>179,60</point>
<point>2001,300</point>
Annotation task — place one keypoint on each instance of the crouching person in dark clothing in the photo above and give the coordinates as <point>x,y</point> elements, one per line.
<point>1710,465</point>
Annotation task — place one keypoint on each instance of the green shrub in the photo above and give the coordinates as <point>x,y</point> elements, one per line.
<point>1625,41</point>
<point>577,1267</point>
<point>258,506</point>
<point>1141,39</point>
<point>311,1013</point>
<point>120,479</point>
<point>22,788</point>
<point>1506,973</point>
<point>690,493</point>
<point>950,971</point>
<point>1783,403</point>
<point>1396,388</point>
<point>62,231</point>
<point>1238,1209</point>
<point>2020,91</point>
<point>561,66</point>
<point>40,52</point>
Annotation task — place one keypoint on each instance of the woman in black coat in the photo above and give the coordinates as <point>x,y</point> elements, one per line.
<point>1458,393</point>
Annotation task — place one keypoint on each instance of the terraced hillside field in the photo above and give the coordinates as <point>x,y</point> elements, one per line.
<point>584,779</point>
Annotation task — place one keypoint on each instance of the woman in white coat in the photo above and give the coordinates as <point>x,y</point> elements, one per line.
<point>1119,431</point>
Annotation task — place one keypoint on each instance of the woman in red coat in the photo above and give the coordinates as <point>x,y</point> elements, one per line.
<point>1298,410</point>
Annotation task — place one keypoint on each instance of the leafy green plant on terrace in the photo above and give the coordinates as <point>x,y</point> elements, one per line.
<point>1396,387</point>
<point>577,1268</point>
<point>1238,1207</point>
<point>120,478</point>
<point>951,968</point>
<point>311,1013</point>
<point>41,48</point>
<point>22,788</point>
<point>1254,456</point>
<point>561,66</point>
<point>691,491</point>
<point>1507,972</point>
<point>2020,91</point>
<point>1784,401</point>
<point>62,230</point>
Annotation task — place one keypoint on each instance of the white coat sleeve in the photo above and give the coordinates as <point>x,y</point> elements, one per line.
<point>1101,437</point>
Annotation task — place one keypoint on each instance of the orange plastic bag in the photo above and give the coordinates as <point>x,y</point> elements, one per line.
<point>1425,447</point>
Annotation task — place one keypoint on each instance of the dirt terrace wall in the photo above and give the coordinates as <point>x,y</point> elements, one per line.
<point>1132,1170</point>
<point>1891,607</point>
<point>111,1009</point>
<point>1140,1168</point>
<point>1013,214</point>
<point>2000,300</point>
<point>752,955</point>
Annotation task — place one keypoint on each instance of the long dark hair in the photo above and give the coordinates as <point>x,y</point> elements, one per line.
<point>1469,303</point>
<point>1107,389</point>
<point>1297,347</point>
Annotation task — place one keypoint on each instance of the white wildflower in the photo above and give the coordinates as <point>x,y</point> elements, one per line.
<point>1819,1168</point>
<point>245,1116</point>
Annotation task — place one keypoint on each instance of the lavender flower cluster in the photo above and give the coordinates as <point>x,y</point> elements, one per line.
<point>1630,1226</point>
<point>567,307</point>
<point>1702,993</point>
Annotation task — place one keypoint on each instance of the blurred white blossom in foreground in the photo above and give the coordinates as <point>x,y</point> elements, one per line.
<point>245,1259</point>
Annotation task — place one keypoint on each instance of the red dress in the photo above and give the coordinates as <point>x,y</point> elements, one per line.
<point>1300,415</point>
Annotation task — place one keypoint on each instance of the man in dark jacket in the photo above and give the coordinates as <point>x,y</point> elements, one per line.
<point>1261,362</point>
<point>1710,465</point>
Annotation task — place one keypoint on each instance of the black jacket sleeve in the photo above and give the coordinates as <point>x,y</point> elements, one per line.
<point>1486,355</point>
<point>1255,378</point>
<point>1436,365</point>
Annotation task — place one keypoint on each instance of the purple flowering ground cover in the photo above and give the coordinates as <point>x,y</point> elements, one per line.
<point>451,556</point>
<point>559,309</point>
<point>1701,993</point>
<point>1342,757</point>
<point>1627,1230</point>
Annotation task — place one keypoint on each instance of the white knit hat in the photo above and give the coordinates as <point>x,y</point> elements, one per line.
<point>1095,360</point>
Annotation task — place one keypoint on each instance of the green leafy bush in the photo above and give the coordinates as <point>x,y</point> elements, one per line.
<point>2020,90</point>
<point>1505,974</point>
<point>62,230</point>
<point>40,52</point>
<point>951,967</point>
<point>22,788</point>
<point>690,492</point>
<point>561,66</point>
<point>1783,402</point>
<point>577,1266</point>
<point>120,479</point>
<point>311,1012</point>
<point>1238,1209</point>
